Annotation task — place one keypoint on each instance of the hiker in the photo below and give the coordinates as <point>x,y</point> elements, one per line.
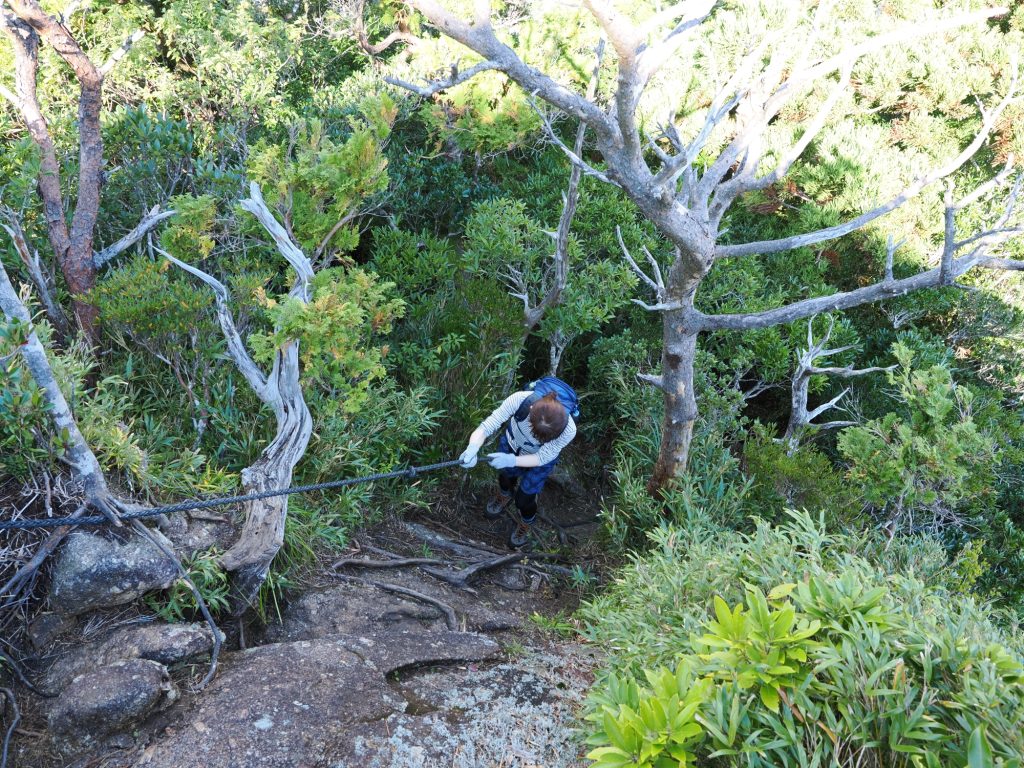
<point>540,423</point>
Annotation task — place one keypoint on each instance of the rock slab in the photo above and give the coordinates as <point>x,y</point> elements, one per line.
<point>168,644</point>
<point>114,697</point>
<point>96,572</point>
<point>299,704</point>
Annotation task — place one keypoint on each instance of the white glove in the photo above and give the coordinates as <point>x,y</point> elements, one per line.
<point>468,457</point>
<point>501,460</point>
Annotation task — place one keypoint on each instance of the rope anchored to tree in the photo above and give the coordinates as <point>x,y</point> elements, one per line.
<point>220,501</point>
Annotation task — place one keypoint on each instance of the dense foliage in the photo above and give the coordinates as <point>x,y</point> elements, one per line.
<point>877,626</point>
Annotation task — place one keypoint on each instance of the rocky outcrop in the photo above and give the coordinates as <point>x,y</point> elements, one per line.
<point>111,698</point>
<point>168,644</point>
<point>296,704</point>
<point>96,572</point>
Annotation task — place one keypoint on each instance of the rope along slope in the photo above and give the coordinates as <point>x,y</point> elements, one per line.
<point>220,501</point>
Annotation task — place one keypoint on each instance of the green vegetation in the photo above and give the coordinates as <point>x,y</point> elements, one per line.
<point>788,647</point>
<point>877,624</point>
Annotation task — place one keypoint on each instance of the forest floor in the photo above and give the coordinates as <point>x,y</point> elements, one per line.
<point>397,666</point>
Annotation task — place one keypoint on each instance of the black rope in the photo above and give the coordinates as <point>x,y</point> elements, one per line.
<point>187,506</point>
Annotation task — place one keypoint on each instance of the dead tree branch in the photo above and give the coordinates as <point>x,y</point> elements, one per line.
<point>42,281</point>
<point>800,417</point>
<point>145,225</point>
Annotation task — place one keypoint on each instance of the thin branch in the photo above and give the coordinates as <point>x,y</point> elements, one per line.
<point>800,78</point>
<point>649,378</point>
<point>257,206</point>
<point>435,87</point>
<point>401,34</point>
<point>236,347</point>
<point>15,719</point>
<point>145,533</point>
<point>147,223</point>
<point>480,38</point>
<point>573,156</point>
<point>727,192</point>
<point>121,52</point>
<point>43,284</point>
<point>831,233</point>
<point>656,285</point>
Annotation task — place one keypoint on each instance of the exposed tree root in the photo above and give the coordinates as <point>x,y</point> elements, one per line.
<point>450,620</point>
<point>16,718</point>
<point>203,609</point>
<point>462,577</point>
<point>397,563</point>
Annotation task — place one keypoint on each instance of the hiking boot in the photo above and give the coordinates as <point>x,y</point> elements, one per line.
<point>496,505</point>
<point>520,533</point>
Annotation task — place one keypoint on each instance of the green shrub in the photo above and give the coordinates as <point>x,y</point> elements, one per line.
<point>842,661</point>
<point>929,466</point>
<point>807,479</point>
<point>179,603</point>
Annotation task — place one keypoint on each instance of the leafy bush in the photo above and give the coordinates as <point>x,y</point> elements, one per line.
<point>921,468</point>
<point>841,661</point>
<point>807,479</point>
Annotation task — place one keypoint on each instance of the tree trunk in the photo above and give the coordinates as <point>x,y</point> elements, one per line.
<point>263,532</point>
<point>78,455</point>
<point>678,352</point>
<point>72,246</point>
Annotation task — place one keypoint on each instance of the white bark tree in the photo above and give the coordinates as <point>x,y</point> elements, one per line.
<point>801,418</point>
<point>687,200</point>
<point>280,389</point>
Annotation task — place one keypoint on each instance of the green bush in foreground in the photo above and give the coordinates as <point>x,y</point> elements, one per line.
<point>815,656</point>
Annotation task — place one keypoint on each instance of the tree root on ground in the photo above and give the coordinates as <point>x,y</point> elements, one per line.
<point>450,619</point>
<point>8,695</point>
<point>480,560</point>
<point>200,602</point>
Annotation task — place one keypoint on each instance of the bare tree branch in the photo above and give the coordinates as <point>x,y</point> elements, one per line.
<point>40,279</point>
<point>121,52</point>
<point>792,86</point>
<point>949,269</point>
<point>800,417</point>
<point>236,347</point>
<point>400,35</point>
<point>654,381</point>
<point>574,157</point>
<point>831,233</point>
<point>147,223</point>
<point>560,258</point>
<point>435,87</point>
<point>480,37</point>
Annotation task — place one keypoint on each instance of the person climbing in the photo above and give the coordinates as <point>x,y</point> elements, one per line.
<point>540,423</point>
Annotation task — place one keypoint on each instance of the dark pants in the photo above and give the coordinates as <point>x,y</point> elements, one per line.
<point>523,483</point>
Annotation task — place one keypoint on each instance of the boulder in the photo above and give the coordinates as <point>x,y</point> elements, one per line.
<point>96,572</point>
<point>112,698</point>
<point>168,644</point>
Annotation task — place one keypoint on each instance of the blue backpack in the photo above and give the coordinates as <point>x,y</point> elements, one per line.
<point>566,396</point>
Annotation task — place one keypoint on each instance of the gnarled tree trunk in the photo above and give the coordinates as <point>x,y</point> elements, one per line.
<point>262,533</point>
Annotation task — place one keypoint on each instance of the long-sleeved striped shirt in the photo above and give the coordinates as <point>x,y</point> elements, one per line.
<point>519,434</point>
